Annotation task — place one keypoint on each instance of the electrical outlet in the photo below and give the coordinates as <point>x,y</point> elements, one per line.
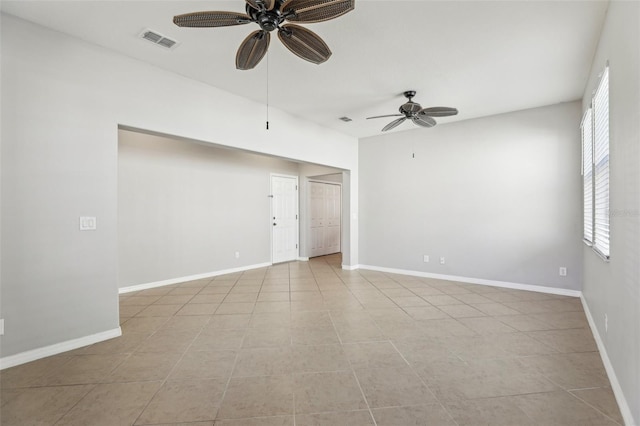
<point>1,327</point>
<point>606,323</point>
<point>442,260</point>
<point>425,258</point>
<point>237,255</point>
<point>563,271</point>
<point>88,223</point>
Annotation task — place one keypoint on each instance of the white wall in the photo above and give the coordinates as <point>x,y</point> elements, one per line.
<point>498,197</point>
<point>613,288</point>
<point>62,102</point>
<point>185,208</point>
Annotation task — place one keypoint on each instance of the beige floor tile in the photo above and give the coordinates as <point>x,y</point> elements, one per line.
<point>235,308</point>
<point>373,355</point>
<point>248,397</point>
<point>273,307</point>
<point>392,387</point>
<point>198,309</point>
<point>184,401</point>
<point>270,320</point>
<point>569,371</point>
<point>426,313</point>
<point>494,309</point>
<point>185,291</point>
<point>275,296</point>
<point>138,300</point>
<point>572,340</point>
<point>232,321</point>
<point>474,298</point>
<point>168,341</point>
<point>310,319</point>
<point>351,418</point>
<point>204,365</point>
<point>215,289</point>
<point>126,343</point>
<point>308,359</point>
<point>82,369</point>
<point>461,311</point>
<point>131,310</point>
<point>237,289</point>
<point>263,338</point>
<point>489,411</point>
<point>523,322</point>
<point>314,336</point>
<point>143,325</point>
<point>158,311</point>
<point>241,297</point>
<point>410,301</point>
<point>113,404</point>
<point>8,394</point>
<point>322,392</point>
<point>442,300</point>
<point>258,421</point>
<point>42,405</point>
<point>144,366</point>
<point>23,375</point>
<point>417,415</point>
<point>365,333</point>
<point>188,323</point>
<point>560,408</point>
<point>173,299</point>
<point>263,362</point>
<point>563,320</point>
<point>218,339</point>
<point>207,298</point>
<point>602,399</point>
<point>487,325</point>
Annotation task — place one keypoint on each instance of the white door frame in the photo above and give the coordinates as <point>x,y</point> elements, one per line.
<point>271,226</point>
<point>308,201</point>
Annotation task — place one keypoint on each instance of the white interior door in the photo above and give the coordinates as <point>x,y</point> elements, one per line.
<point>317,219</point>
<point>326,217</point>
<point>284,218</point>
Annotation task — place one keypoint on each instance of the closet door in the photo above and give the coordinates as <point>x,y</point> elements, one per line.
<point>317,219</point>
<point>326,216</point>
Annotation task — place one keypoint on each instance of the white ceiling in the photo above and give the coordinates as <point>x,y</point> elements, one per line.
<point>482,57</point>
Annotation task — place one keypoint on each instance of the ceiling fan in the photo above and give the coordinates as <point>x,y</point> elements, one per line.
<point>270,15</point>
<point>414,112</point>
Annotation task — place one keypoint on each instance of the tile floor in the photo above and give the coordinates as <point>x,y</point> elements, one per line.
<point>307,343</point>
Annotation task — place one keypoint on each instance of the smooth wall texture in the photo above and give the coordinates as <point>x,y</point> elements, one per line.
<point>185,208</point>
<point>498,197</point>
<point>613,288</point>
<point>62,103</point>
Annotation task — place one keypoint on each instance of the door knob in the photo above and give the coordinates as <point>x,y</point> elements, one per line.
<point>274,224</point>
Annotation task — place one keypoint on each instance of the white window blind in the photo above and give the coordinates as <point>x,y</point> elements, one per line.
<point>587,174</point>
<point>601,165</point>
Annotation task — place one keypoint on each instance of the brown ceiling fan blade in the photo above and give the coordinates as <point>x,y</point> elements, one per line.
<point>258,4</point>
<point>304,43</point>
<point>384,116</point>
<point>211,19</point>
<point>438,112</point>
<point>424,121</point>
<point>252,50</point>
<point>315,10</point>
<point>394,124</point>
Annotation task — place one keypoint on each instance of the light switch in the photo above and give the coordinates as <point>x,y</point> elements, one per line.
<point>88,223</point>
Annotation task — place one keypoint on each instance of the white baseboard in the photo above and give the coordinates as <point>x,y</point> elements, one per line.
<point>481,281</point>
<point>303,259</point>
<point>350,267</point>
<point>171,281</point>
<point>625,411</point>
<point>35,354</point>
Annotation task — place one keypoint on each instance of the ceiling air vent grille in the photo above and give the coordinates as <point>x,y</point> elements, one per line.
<point>157,38</point>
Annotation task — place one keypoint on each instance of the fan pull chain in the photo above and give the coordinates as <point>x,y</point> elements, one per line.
<point>267,90</point>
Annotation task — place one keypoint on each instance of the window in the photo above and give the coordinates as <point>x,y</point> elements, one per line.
<point>595,168</point>
<point>587,174</point>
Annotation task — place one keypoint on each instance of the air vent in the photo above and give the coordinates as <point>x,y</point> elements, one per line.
<point>346,119</point>
<point>158,39</point>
